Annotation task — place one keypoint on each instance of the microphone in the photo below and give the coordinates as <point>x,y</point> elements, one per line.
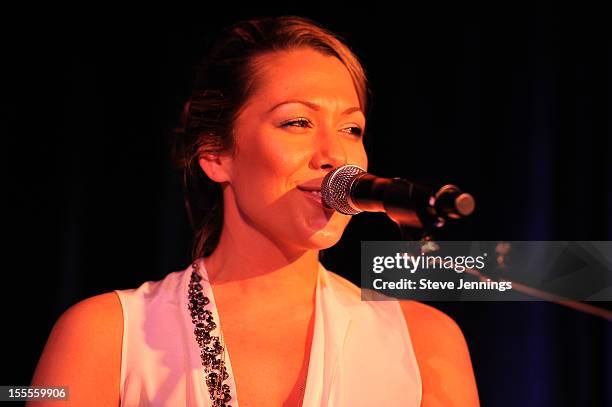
<point>350,190</point>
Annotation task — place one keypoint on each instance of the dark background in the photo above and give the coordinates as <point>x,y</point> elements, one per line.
<point>511,102</point>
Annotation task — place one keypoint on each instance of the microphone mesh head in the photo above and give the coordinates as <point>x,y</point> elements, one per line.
<point>336,188</point>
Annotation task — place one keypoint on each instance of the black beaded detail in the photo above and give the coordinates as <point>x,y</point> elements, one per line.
<point>212,351</point>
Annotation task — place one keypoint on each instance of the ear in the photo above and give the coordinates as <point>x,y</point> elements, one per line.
<point>216,166</point>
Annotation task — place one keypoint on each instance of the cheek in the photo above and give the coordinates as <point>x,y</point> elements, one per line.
<point>365,160</point>
<point>358,156</point>
<point>280,157</point>
<point>268,167</point>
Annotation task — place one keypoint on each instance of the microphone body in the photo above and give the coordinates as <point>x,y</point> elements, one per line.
<point>351,190</point>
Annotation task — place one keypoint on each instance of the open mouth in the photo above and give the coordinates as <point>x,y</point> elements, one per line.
<point>315,196</point>
<point>312,190</point>
<point>315,193</point>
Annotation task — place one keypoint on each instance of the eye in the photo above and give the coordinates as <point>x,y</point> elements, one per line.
<point>299,122</point>
<point>356,131</point>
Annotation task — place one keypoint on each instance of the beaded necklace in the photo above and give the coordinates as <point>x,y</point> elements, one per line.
<point>212,346</point>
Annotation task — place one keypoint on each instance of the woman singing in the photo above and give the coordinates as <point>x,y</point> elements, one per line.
<point>256,320</point>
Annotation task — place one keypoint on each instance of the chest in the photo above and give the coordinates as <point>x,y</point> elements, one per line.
<point>269,358</point>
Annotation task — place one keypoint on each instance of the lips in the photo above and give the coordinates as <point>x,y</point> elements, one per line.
<point>312,191</point>
<point>314,196</point>
<point>312,185</point>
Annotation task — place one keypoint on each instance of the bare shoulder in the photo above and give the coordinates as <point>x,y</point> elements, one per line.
<point>83,352</point>
<point>423,319</point>
<point>442,355</point>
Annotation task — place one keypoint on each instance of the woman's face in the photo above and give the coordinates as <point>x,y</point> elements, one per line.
<point>303,120</point>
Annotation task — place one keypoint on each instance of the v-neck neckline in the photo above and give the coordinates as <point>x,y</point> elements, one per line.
<point>315,346</point>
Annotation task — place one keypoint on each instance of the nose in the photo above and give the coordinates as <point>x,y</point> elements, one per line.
<point>329,152</point>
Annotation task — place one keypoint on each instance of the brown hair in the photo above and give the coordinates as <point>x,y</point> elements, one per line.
<point>224,82</point>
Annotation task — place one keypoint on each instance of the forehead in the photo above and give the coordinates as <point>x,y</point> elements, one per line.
<point>303,73</point>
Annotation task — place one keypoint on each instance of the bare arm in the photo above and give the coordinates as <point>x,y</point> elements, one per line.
<point>442,355</point>
<point>83,352</point>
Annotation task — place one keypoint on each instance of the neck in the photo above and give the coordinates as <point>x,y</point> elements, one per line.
<point>250,263</point>
<point>251,267</point>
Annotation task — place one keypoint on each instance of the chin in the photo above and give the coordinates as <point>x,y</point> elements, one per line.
<point>329,235</point>
<point>313,235</point>
<point>325,238</point>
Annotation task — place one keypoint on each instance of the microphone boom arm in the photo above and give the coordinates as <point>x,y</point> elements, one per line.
<point>411,206</point>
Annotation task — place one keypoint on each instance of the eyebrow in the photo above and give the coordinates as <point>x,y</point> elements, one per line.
<point>313,106</point>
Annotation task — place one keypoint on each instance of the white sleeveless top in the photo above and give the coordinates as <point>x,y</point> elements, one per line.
<point>361,352</point>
